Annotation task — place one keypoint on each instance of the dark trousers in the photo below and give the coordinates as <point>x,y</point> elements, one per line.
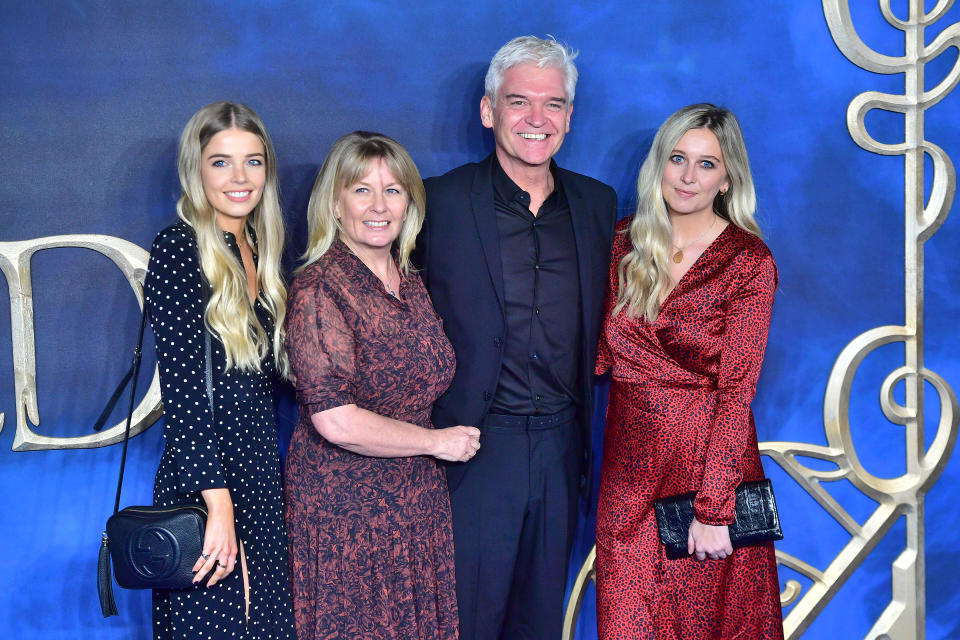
<point>514,519</point>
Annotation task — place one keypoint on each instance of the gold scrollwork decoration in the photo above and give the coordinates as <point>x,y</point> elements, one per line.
<point>905,616</point>
<point>15,260</point>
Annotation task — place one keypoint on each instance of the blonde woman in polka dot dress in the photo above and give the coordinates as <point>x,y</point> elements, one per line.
<point>230,236</point>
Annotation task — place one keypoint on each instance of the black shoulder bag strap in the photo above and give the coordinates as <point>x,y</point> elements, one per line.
<point>104,579</point>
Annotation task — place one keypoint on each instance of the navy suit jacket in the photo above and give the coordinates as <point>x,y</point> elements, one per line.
<point>458,254</point>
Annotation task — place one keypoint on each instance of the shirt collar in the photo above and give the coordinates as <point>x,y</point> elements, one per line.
<point>508,191</point>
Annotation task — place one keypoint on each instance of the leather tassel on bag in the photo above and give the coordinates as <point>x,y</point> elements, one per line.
<point>105,581</point>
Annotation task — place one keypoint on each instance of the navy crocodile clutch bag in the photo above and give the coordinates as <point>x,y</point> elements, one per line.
<point>755,518</point>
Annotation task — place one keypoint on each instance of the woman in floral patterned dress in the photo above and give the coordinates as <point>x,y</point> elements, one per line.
<point>368,513</point>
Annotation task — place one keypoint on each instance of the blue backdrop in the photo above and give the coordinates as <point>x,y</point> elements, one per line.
<point>94,95</point>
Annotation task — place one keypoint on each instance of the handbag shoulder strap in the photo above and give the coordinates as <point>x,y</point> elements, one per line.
<point>132,375</point>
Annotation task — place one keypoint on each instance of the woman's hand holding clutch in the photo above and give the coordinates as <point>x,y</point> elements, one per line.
<point>706,540</point>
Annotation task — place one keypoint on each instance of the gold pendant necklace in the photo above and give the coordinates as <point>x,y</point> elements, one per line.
<point>678,256</point>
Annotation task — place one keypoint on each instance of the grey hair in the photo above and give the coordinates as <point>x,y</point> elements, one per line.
<point>531,49</point>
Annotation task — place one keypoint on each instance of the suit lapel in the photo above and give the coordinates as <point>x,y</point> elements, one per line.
<point>579,215</point>
<point>485,217</point>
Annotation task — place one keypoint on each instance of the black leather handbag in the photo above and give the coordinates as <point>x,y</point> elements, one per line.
<point>156,547</point>
<point>151,547</point>
<point>756,518</point>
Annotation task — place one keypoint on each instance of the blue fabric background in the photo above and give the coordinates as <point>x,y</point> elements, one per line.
<point>94,95</point>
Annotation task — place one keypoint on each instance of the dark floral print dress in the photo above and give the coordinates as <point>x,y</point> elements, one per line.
<point>371,539</point>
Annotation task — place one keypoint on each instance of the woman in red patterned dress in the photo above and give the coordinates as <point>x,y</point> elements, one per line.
<point>368,513</point>
<point>688,309</point>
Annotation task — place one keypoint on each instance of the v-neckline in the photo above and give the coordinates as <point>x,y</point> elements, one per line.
<point>693,266</point>
<point>376,279</point>
<point>238,253</point>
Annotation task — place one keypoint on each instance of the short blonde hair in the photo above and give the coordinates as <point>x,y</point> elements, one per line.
<point>347,162</point>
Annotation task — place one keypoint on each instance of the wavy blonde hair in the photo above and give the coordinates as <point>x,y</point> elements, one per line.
<point>229,315</point>
<point>644,271</point>
<point>347,162</point>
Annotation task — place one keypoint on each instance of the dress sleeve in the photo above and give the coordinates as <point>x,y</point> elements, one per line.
<point>320,345</point>
<point>747,322</point>
<point>174,293</point>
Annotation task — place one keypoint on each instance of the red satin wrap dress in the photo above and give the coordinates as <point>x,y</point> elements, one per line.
<point>679,420</point>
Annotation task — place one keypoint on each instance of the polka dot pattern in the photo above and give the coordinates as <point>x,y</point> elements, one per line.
<point>238,451</point>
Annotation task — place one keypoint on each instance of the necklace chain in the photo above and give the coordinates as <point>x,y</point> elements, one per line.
<point>386,282</point>
<point>678,256</point>
<point>391,268</point>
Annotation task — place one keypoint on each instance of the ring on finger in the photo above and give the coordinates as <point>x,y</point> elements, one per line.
<point>221,565</point>
<point>205,556</point>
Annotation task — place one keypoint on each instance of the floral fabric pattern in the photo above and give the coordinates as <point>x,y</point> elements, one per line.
<point>371,539</point>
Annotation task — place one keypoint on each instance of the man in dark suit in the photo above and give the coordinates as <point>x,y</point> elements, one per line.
<point>514,252</point>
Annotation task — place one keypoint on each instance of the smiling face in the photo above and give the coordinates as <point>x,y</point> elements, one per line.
<point>694,173</point>
<point>371,210</point>
<point>233,171</point>
<point>531,117</point>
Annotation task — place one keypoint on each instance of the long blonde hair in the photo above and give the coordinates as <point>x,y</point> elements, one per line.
<point>644,271</point>
<point>346,163</point>
<point>229,315</point>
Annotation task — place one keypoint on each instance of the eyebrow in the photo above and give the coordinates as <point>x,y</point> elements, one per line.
<point>523,97</point>
<point>706,157</point>
<point>361,183</point>
<point>228,156</point>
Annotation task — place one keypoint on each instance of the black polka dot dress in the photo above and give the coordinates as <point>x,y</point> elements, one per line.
<point>238,451</point>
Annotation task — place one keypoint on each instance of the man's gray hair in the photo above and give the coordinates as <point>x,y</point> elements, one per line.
<point>532,50</point>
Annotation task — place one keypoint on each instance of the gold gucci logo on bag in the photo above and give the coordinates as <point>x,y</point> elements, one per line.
<point>15,260</point>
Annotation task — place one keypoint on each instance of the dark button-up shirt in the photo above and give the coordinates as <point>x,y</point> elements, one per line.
<point>541,363</point>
